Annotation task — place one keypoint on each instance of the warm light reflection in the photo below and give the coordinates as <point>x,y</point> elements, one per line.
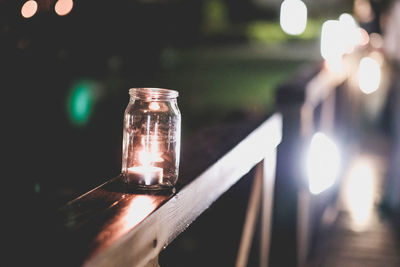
<point>293,17</point>
<point>369,75</point>
<point>29,9</point>
<point>63,7</point>
<point>323,162</point>
<point>131,214</point>
<point>139,208</point>
<point>359,193</point>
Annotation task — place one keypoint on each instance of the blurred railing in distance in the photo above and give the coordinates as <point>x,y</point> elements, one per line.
<point>114,225</point>
<point>317,105</point>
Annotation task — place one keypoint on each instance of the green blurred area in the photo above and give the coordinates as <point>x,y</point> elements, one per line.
<point>216,85</point>
<point>271,31</point>
<point>267,30</point>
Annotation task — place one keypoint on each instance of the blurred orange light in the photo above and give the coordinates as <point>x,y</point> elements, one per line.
<point>376,40</point>
<point>364,37</point>
<point>63,7</point>
<point>29,9</point>
<point>363,11</point>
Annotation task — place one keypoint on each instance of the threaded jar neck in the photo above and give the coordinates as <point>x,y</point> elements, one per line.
<point>153,94</point>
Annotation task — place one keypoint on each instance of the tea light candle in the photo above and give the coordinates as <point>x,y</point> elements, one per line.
<point>149,175</point>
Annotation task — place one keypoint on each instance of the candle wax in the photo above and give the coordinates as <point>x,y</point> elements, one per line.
<point>148,175</point>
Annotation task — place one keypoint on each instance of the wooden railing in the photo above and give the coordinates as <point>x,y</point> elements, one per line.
<point>316,99</point>
<point>113,225</point>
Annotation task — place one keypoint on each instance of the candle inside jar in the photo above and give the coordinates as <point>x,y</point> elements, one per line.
<point>149,175</point>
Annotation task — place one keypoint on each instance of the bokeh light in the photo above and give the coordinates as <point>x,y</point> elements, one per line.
<point>369,75</point>
<point>29,9</point>
<point>63,7</point>
<point>359,192</point>
<point>365,38</point>
<point>351,34</point>
<point>332,45</point>
<point>293,17</point>
<point>80,102</point>
<point>323,163</point>
<point>376,40</point>
<point>363,10</point>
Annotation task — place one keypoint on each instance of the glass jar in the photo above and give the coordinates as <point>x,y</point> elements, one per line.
<point>151,139</point>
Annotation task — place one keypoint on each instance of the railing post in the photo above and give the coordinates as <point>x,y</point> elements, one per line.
<point>261,193</point>
<point>291,98</point>
<point>269,168</point>
<point>252,212</point>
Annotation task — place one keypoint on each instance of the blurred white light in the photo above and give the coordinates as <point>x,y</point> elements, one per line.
<point>360,192</point>
<point>339,37</point>
<point>369,75</point>
<point>332,45</point>
<point>63,7</point>
<point>351,34</point>
<point>293,17</point>
<point>323,162</point>
<point>29,9</point>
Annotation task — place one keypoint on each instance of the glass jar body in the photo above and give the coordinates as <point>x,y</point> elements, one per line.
<point>151,139</point>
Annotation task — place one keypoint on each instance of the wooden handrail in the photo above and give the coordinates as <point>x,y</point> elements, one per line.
<point>112,225</point>
<point>308,104</point>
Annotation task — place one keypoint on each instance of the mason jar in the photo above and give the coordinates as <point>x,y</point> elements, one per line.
<point>151,139</point>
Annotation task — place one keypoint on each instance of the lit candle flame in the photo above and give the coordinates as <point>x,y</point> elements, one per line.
<point>147,157</point>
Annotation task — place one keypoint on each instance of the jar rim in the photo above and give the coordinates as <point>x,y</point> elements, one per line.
<point>145,93</point>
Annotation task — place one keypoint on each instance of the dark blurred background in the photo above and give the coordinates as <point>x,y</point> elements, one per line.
<point>65,79</point>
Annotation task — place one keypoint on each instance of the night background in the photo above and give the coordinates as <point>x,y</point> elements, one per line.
<point>65,81</point>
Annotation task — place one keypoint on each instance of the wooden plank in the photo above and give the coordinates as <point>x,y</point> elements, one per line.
<point>115,226</point>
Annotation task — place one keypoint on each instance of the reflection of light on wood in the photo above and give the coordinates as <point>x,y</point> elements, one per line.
<point>359,193</point>
<point>136,211</point>
<point>293,17</point>
<point>131,214</point>
<point>63,7</point>
<point>29,9</point>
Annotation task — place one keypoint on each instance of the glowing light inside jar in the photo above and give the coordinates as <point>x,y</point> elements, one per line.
<point>147,172</point>
<point>154,106</point>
